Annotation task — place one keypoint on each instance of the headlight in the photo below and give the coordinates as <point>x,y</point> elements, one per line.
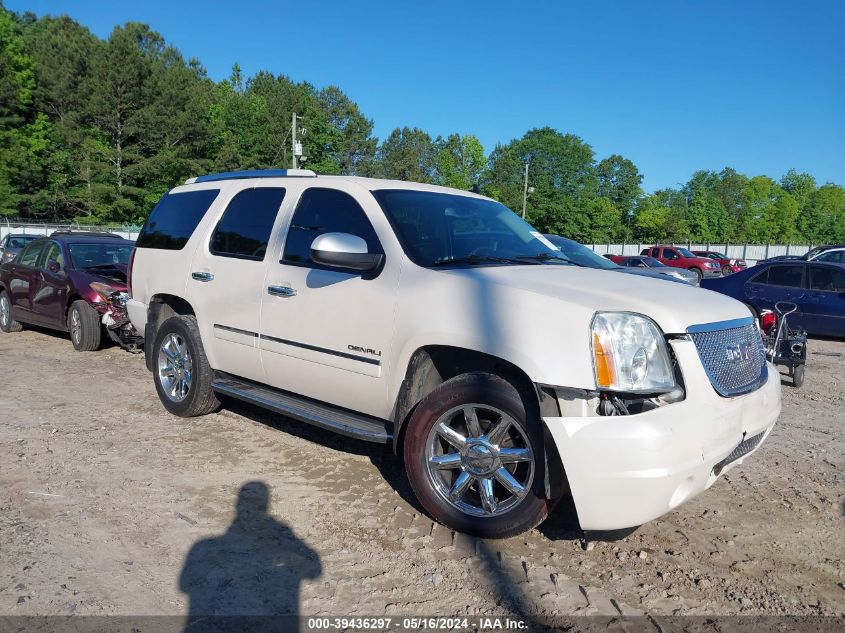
<point>630,354</point>
<point>104,290</point>
<point>712,264</point>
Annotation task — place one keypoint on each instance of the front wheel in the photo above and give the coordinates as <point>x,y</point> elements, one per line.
<point>698,274</point>
<point>181,371</point>
<point>475,460</point>
<point>7,323</point>
<point>83,323</point>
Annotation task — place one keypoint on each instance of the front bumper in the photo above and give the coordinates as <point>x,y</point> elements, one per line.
<point>624,471</point>
<point>710,273</point>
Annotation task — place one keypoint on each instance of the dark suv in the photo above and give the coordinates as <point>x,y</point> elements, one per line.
<point>59,282</point>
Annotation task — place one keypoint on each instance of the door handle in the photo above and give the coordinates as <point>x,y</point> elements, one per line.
<point>202,276</point>
<point>281,291</point>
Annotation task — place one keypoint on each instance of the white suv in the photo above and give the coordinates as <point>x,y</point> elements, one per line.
<point>439,321</point>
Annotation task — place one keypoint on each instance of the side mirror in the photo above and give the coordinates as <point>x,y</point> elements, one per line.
<point>343,250</point>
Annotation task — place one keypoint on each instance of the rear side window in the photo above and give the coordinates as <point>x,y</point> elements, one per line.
<point>791,276</point>
<point>244,230</point>
<point>827,279</point>
<point>30,254</point>
<point>174,218</point>
<point>326,211</point>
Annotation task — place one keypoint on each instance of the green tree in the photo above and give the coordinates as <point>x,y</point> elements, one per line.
<point>562,172</point>
<point>619,180</point>
<point>460,161</point>
<point>823,217</point>
<point>407,154</point>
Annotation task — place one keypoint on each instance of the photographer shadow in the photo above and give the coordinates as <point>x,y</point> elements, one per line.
<point>248,578</point>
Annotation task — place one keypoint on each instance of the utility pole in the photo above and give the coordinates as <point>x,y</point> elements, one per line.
<point>293,140</point>
<point>525,191</point>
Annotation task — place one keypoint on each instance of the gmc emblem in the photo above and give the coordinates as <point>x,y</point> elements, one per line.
<point>739,352</point>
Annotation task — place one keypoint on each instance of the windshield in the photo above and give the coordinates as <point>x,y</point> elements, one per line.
<point>580,254</point>
<point>19,241</point>
<point>84,256</point>
<point>684,252</point>
<point>438,229</point>
<point>717,255</point>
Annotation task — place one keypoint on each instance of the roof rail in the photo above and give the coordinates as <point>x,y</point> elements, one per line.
<point>86,233</point>
<point>253,173</point>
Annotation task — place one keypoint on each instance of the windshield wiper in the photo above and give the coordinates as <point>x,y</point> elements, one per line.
<point>102,267</point>
<point>545,257</point>
<point>476,259</point>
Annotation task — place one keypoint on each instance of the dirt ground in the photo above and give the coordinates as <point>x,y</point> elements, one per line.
<point>109,505</point>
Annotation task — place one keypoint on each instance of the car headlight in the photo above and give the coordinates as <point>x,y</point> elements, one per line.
<point>630,354</point>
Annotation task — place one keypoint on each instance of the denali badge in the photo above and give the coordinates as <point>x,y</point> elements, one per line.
<point>364,350</point>
<point>739,352</point>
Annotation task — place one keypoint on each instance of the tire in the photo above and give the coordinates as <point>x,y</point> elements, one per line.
<point>698,273</point>
<point>726,270</point>
<point>7,323</point>
<point>181,371</point>
<point>798,376</point>
<point>480,462</point>
<point>83,325</point>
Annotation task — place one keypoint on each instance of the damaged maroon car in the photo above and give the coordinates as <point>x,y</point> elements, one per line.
<point>70,281</point>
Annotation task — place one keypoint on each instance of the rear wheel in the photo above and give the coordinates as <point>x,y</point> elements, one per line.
<point>698,274</point>
<point>798,376</point>
<point>475,460</point>
<point>83,324</point>
<point>7,323</point>
<point>181,371</point>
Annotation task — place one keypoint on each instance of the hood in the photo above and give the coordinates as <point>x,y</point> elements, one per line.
<point>116,278</point>
<point>673,306</point>
<point>656,274</point>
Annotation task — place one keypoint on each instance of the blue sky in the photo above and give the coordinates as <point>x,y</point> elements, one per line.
<point>675,86</point>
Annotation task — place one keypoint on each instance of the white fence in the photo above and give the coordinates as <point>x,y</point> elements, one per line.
<point>26,228</point>
<point>751,253</point>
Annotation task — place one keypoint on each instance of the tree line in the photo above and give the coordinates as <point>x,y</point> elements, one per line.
<point>95,131</point>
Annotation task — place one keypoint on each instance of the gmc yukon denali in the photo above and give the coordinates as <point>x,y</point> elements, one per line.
<point>505,376</point>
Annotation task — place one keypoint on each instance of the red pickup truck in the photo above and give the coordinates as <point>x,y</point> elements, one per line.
<point>729,265</point>
<point>680,257</point>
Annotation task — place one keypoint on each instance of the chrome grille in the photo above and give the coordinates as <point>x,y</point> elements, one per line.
<point>732,354</point>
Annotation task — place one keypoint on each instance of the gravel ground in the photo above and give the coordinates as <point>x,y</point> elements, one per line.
<point>108,505</point>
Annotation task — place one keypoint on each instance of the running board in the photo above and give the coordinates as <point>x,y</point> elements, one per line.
<point>325,416</point>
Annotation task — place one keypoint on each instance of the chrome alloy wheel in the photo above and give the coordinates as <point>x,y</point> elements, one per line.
<point>5,311</point>
<point>75,326</point>
<point>479,460</point>
<point>174,367</point>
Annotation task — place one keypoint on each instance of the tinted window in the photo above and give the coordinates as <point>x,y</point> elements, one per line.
<point>441,229</point>
<point>786,276</point>
<point>668,253</point>
<point>827,279</point>
<point>29,256</point>
<point>244,230</point>
<point>760,278</point>
<point>174,219</point>
<point>326,211</point>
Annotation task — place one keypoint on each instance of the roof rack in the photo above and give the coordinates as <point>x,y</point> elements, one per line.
<point>253,173</point>
<point>86,233</point>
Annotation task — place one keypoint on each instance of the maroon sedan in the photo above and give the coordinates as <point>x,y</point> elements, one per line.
<point>60,282</point>
<point>729,264</point>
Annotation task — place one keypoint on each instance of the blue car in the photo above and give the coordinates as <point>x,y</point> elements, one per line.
<point>817,288</point>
